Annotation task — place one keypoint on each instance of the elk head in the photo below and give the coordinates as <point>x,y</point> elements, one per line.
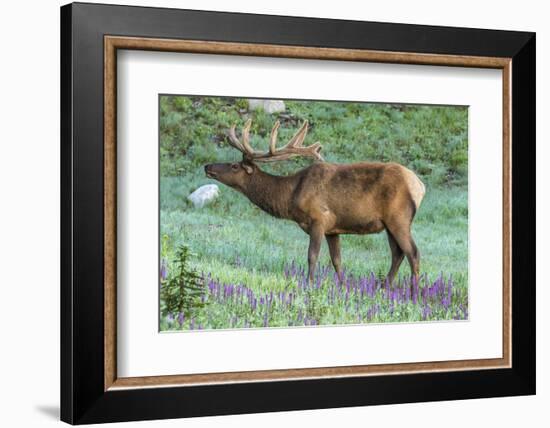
<point>238,174</point>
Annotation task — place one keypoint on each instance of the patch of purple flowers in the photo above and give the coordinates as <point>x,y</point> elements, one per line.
<point>327,300</point>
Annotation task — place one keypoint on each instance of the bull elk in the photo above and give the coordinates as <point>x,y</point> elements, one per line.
<point>326,199</point>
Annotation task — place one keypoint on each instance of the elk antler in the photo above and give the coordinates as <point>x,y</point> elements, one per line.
<point>293,148</point>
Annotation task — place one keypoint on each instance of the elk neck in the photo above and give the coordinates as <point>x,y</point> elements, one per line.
<point>271,193</point>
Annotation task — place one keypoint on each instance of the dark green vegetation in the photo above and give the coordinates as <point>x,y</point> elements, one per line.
<point>236,243</point>
<point>432,141</point>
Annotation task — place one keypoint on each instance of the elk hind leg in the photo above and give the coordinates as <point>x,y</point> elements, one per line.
<point>405,241</point>
<point>333,242</point>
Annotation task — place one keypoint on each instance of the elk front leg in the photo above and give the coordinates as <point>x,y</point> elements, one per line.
<point>315,238</point>
<point>333,242</point>
<point>397,256</point>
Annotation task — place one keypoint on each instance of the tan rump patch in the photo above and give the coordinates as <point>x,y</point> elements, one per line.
<point>416,187</point>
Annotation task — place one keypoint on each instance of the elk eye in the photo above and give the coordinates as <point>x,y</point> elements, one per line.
<point>235,166</point>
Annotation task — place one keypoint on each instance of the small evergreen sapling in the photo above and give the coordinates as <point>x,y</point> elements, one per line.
<point>181,292</point>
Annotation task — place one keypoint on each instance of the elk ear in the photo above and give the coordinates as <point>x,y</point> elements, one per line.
<point>247,167</point>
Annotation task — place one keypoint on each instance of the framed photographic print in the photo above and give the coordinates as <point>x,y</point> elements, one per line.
<point>265,213</point>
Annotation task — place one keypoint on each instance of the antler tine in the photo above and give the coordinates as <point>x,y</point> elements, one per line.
<point>273,139</point>
<point>298,138</point>
<point>246,138</point>
<point>243,146</point>
<point>315,150</point>
<point>234,141</point>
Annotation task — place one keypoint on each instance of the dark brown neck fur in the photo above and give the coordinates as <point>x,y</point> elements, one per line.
<point>271,193</point>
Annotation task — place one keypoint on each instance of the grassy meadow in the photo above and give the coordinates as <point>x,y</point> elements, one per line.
<point>251,266</point>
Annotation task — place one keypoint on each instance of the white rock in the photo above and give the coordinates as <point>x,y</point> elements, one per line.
<point>269,106</point>
<point>204,195</point>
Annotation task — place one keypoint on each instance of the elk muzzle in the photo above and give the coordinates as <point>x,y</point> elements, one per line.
<point>209,171</point>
